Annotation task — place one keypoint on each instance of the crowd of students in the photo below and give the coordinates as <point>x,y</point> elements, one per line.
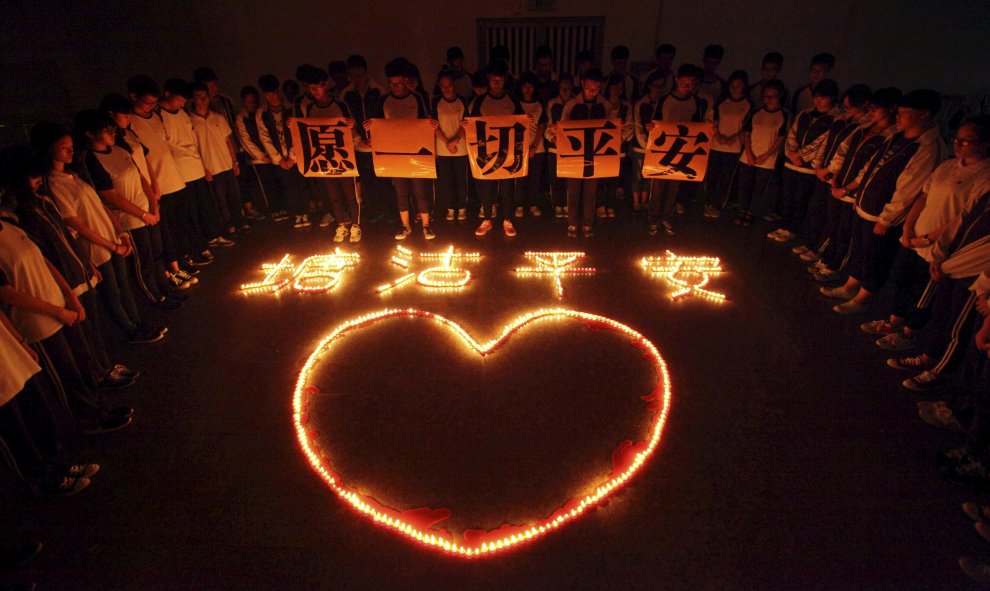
<point>125,209</point>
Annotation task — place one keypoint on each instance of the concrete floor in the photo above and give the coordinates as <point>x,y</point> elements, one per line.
<point>791,458</point>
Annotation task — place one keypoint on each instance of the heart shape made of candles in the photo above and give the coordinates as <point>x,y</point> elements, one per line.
<point>422,524</point>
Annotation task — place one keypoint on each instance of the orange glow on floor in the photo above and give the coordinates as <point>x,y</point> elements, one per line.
<point>422,524</point>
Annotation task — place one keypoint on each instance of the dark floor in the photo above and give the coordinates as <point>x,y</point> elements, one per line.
<point>791,458</point>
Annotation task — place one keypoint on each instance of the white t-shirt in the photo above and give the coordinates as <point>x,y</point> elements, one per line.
<point>682,109</point>
<point>535,108</point>
<point>212,132</point>
<point>150,131</point>
<point>449,115</point>
<point>730,115</point>
<point>76,198</point>
<point>138,153</point>
<point>952,191</point>
<point>765,128</point>
<point>115,169</point>
<point>182,141</point>
<point>24,269</point>
<point>16,366</point>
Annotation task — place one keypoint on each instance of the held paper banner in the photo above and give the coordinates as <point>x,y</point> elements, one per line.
<point>678,151</point>
<point>589,149</point>
<point>324,147</point>
<point>403,148</point>
<point>498,146</point>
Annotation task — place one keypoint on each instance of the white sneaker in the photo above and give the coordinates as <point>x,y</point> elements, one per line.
<point>297,222</point>
<point>341,234</point>
<point>558,212</point>
<point>519,211</point>
<point>535,211</point>
<point>483,228</point>
<point>325,220</point>
<point>403,233</point>
<point>355,233</point>
<point>481,213</point>
<point>450,215</point>
<point>461,215</point>
<point>305,221</point>
<point>782,235</point>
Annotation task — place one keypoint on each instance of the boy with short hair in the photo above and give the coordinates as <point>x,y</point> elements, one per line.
<point>362,95</point>
<point>185,149</point>
<point>712,84</point>
<point>276,140</point>
<point>528,188</point>
<point>249,138</point>
<point>461,77</point>
<point>583,61</point>
<point>337,70</point>
<point>820,70</point>
<point>805,140</point>
<point>770,68</point>
<point>680,104</point>
<point>216,147</point>
<point>340,190</point>
<point>663,67</point>
<point>620,70</point>
<point>401,103</point>
<point>179,240</point>
<point>496,101</point>
<point>225,106</point>
<point>546,78</point>
<point>581,193</point>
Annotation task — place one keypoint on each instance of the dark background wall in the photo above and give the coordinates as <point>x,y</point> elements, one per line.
<point>59,56</point>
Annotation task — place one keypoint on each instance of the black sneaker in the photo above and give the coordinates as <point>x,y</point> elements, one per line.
<point>147,334</point>
<point>108,425</point>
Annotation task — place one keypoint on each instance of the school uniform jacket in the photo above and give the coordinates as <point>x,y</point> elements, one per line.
<point>362,107</point>
<point>840,129</point>
<point>807,136</point>
<point>968,254</point>
<point>854,154</point>
<point>893,179</point>
<point>249,137</point>
<point>276,141</point>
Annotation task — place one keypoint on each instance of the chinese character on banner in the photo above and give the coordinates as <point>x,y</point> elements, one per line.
<point>324,147</point>
<point>589,149</point>
<point>404,148</point>
<point>678,151</point>
<point>497,146</point>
